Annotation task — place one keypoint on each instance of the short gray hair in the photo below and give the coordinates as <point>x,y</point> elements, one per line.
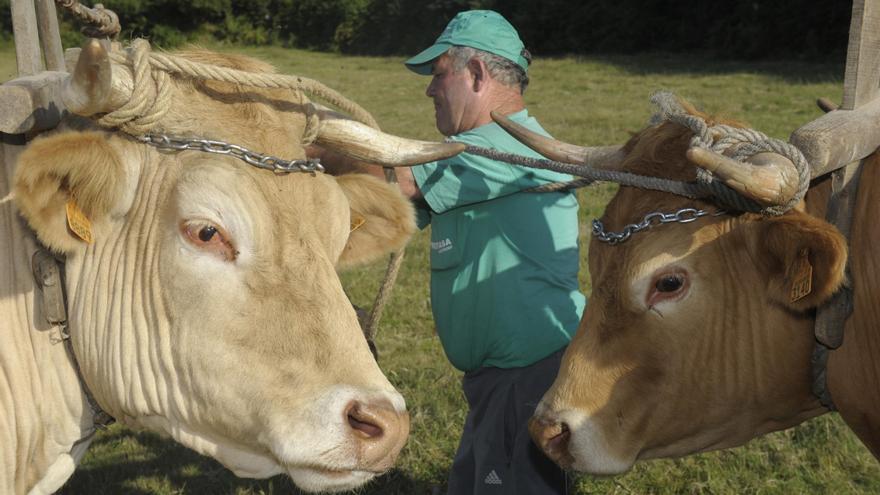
<point>502,70</point>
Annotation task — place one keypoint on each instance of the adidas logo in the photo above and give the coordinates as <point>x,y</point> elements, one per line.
<point>492,478</point>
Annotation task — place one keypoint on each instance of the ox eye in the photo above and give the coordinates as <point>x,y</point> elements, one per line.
<point>209,238</point>
<point>669,283</point>
<point>668,286</point>
<point>207,233</point>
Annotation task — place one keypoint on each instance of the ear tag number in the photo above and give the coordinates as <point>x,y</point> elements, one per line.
<point>78,222</point>
<point>802,282</point>
<point>356,222</point>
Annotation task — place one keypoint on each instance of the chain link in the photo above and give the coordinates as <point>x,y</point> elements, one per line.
<point>267,162</point>
<point>685,215</point>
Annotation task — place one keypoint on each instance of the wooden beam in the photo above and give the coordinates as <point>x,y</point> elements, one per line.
<point>50,36</point>
<point>839,137</point>
<point>32,103</point>
<point>27,38</point>
<point>861,82</point>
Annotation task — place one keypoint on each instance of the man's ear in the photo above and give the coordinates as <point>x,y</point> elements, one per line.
<point>382,219</point>
<point>75,168</point>
<point>805,258</point>
<point>479,72</point>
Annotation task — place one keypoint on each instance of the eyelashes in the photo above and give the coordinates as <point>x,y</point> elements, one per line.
<point>209,238</point>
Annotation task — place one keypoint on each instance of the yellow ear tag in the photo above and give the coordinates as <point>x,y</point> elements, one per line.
<point>802,282</point>
<point>356,222</point>
<point>78,222</point>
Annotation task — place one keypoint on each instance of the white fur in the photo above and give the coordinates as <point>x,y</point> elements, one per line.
<point>252,361</point>
<point>323,429</point>
<point>55,476</point>
<point>588,446</point>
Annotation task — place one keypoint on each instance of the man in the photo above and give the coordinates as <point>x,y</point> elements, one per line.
<point>504,262</point>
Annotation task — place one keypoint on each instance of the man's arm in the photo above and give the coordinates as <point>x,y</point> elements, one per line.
<point>338,164</point>
<point>405,180</point>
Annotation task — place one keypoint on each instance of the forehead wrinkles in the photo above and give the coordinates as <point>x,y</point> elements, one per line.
<point>304,211</point>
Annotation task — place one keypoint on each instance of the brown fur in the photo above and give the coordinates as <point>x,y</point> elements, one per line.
<point>779,241</point>
<point>744,363</point>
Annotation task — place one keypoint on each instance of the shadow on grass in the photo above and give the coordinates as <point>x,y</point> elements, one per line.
<point>142,463</point>
<point>790,71</point>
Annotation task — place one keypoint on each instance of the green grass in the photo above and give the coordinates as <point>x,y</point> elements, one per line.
<point>584,100</point>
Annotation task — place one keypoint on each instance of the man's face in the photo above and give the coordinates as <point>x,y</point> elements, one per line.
<point>453,93</point>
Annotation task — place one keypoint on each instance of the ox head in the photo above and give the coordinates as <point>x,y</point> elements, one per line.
<point>208,306</point>
<point>691,340</point>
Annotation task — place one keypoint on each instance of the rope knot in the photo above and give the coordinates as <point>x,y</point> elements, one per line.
<point>313,125</point>
<point>151,94</point>
<point>150,97</point>
<point>737,143</point>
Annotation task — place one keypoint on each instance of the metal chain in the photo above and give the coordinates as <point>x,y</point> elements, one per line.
<point>685,215</point>
<point>259,160</point>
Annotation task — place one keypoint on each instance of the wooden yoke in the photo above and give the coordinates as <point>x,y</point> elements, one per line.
<point>848,135</point>
<point>840,140</point>
<point>33,101</point>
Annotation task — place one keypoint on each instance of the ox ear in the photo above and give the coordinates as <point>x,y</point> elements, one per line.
<point>382,219</point>
<point>76,168</point>
<point>804,256</point>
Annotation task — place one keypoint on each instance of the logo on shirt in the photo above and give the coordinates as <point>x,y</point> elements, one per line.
<point>441,246</point>
<point>492,478</point>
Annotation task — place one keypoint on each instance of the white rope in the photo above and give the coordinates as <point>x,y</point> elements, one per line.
<point>151,94</point>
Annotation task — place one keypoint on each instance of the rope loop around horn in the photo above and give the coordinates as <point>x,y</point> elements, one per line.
<point>151,94</point>
<point>740,144</point>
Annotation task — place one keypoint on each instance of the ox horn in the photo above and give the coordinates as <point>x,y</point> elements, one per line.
<point>607,157</point>
<point>366,144</point>
<point>768,178</point>
<point>96,85</point>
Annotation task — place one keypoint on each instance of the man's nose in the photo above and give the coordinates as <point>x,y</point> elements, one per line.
<point>429,91</point>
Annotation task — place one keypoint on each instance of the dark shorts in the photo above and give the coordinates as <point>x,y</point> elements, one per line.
<point>496,454</point>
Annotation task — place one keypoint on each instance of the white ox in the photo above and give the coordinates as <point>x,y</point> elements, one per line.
<point>208,307</point>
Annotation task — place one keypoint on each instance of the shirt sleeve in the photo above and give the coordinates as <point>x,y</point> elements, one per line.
<point>467,179</point>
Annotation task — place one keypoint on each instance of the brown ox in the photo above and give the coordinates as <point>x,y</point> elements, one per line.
<point>691,341</point>
<point>208,307</point>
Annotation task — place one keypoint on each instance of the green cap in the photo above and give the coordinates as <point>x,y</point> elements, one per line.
<point>484,30</point>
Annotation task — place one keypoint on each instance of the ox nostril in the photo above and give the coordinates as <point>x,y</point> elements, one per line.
<point>552,436</point>
<point>378,431</point>
<point>558,443</point>
<point>363,423</point>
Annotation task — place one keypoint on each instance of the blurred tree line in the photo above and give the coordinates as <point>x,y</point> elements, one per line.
<point>744,29</point>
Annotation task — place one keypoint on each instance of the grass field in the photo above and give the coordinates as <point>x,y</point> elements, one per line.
<point>584,100</point>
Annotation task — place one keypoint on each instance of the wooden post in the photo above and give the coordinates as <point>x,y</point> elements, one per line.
<point>50,36</point>
<point>861,82</point>
<point>27,40</point>
<point>861,86</point>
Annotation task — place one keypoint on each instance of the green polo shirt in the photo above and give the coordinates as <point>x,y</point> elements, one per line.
<point>504,263</point>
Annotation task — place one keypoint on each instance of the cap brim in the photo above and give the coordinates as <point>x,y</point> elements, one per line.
<point>421,63</point>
